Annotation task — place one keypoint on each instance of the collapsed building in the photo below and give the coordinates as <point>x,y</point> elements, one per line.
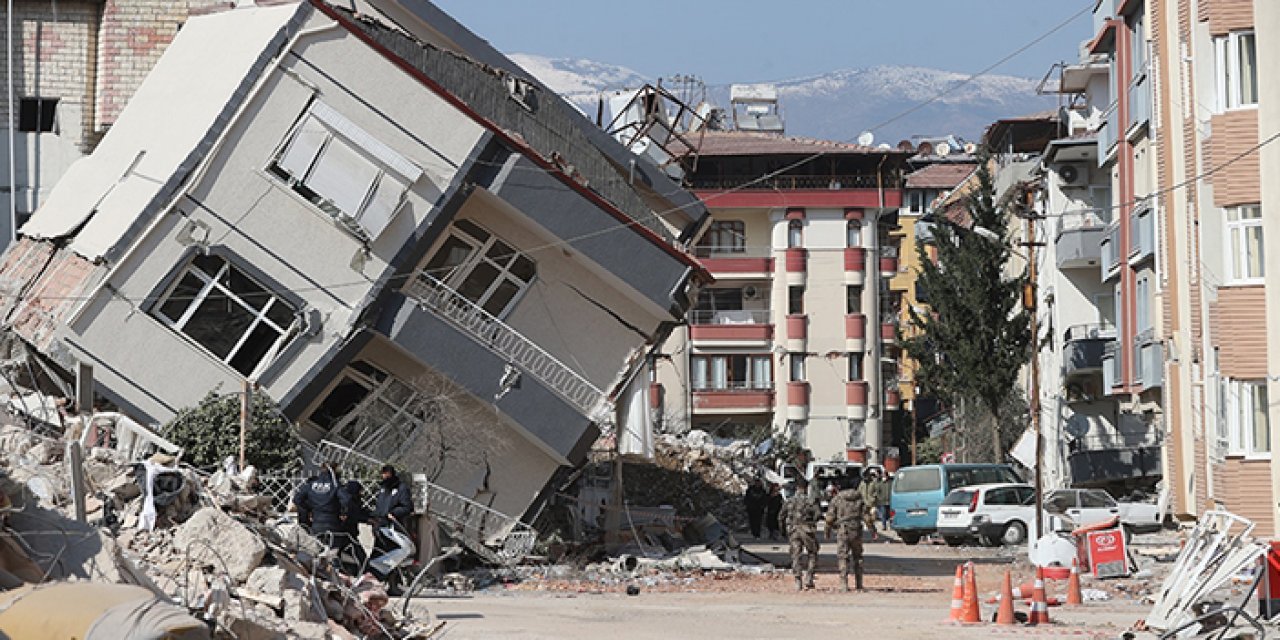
<point>365,212</point>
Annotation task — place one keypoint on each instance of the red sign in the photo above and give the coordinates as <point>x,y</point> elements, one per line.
<point>1107,555</point>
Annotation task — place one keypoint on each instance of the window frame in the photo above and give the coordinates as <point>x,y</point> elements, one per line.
<point>856,368</point>
<point>478,255</point>
<point>1227,77</point>
<point>796,367</point>
<point>853,234</point>
<point>795,234</point>
<point>795,300</point>
<point>1236,245</point>
<point>283,344</point>
<point>1241,396</point>
<point>719,230</point>
<point>757,372</point>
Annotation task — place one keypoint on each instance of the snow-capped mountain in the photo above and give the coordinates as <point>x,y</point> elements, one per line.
<point>839,104</point>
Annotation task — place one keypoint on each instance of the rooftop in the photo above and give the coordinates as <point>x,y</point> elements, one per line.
<point>742,143</point>
<point>940,176</point>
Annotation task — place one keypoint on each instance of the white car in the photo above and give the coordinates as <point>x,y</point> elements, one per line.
<point>992,514</point>
<point>1082,507</point>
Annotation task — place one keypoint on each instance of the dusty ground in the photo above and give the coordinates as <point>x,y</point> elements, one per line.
<point>909,597</point>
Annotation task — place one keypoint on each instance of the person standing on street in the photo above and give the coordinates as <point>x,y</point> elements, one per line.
<point>881,504</point>
<point>772,508</point>
<point>867,492</point>
<point>392,508</point>
<point>754,502</point>
<point>800,516</point>
<point>845,516</point>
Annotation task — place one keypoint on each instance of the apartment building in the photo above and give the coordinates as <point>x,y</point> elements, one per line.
<point>791,336</point>
<point>360,210</point>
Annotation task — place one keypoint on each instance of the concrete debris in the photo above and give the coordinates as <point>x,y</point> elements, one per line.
<point>208,547</point>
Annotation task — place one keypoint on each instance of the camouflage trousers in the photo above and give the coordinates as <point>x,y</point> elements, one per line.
<point>849,547</point>
<point>804,554</point>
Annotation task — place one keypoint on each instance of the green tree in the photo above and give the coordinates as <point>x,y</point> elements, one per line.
<point>973,339</point>
<point>210,431</point>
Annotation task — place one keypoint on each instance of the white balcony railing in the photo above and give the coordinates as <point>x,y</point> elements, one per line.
<point>737,316</point>
<point>509,344</point>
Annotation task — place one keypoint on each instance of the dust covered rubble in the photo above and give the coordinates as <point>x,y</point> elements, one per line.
<point>216,547</point>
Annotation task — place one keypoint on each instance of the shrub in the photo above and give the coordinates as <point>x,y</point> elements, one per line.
<point>210,431</point>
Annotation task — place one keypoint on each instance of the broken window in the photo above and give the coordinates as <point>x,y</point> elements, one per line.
<point>238,320</point>
<point>481,267</point>
<point>345,171</point>
<point>37,115</point>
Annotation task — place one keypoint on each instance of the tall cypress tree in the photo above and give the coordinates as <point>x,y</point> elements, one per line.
<point>973,339</point>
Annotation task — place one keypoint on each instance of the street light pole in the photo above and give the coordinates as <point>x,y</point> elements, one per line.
<point>1029,301</point>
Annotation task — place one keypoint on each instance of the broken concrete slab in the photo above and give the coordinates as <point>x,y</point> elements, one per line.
<point>218,540</point>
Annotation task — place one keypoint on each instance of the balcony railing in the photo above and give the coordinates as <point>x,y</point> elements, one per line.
<point>1110,249</point>
<point>795,181</point>
<point>507,343</point>
<point>1143,234</point>
<point>734,385</point>
<point>736,316</point>
<point>1139,102</point>
<point>1079,240</point>
<point>1083,347</point>
<point>1108,133</point>
<point>732,251</point>
<point>1095,464</point>
<point>1111,367</point>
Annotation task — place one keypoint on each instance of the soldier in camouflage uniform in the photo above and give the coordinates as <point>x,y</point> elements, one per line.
<point>800,517</point>
<point>844,516</point>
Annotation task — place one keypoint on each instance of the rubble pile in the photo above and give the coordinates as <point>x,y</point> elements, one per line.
<point>208,544</point>
<point>695,475</point>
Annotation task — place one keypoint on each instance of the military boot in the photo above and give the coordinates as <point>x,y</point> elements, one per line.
<point>857,580</point>
<point>844,583</point>
<point>808,583</point>
<point>799,584</point>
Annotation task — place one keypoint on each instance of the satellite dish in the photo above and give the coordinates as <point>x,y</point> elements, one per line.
<point>970,148</point>
<point>905,145</point>
<point>866,138</point>
<point>943,149</point>
<point>925,148</point>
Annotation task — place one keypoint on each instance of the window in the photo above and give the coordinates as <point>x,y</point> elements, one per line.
<point>724,236</point>
<point>797,367</point>
<point>1138,44</point>
<point>855,367</point>
<point>1244,244</point>
<point>235,318</point>
<point>910,480</point>
<point>918,200</point>
<point>1237,70</point>
<point>1096,500</point>
<point>1060,501</point>
<point>37,115</point>
<point>344,171</point>
<point>795,300</point>
<point>370,408</point>
<point>795,234</point>
<point>853,233</point>
<point>481,267</point>
<point>1248,426</point>
<point>735,372</point>
<point>1142,295</point>
<point>1003,496</point>
<point>853,300</point>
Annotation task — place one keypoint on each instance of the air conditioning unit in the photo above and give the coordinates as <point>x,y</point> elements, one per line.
<point>1073,175</point>
<point>751,292</point>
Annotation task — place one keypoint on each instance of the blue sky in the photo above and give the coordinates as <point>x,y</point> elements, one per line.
<point>756,41</point>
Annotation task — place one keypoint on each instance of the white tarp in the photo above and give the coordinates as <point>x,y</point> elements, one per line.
<point>171,112</point>
<point>635,426</point>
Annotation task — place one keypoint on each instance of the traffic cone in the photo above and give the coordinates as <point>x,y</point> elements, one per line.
<point>957,595</point>
<point>972,610</point>
<point>1073,585</point>
<point>1005,614</point>
<point>1039,606</point>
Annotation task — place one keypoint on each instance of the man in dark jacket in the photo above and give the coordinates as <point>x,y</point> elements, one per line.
<point>322,505</point>
<point>392,509</point>
<point>754,502</point>
<point>350,551</point>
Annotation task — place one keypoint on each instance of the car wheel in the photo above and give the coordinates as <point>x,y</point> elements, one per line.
<point>953,541</point>
<point>909,538</point>
<point>1014,533</point>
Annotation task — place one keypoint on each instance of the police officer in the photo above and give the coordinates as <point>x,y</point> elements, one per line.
<point>321,504</point>
<point>845,515</point>
<point>800,518</point>
<point>392,508</point>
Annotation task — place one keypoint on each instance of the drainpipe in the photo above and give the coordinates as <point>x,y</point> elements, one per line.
<point>875,391</point>
<point>13,172</point>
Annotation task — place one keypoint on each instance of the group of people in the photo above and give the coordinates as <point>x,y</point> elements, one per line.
<point>852,506</point>
<point>333,510</point>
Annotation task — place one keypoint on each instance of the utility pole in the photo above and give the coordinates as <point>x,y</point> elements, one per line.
<point>1029,301</point>
<point>246,415</point>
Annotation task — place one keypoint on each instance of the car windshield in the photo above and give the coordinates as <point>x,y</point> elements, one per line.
<point>958,497</point>
<point>914,480</point>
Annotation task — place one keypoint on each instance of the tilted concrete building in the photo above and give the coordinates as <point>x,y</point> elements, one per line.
<point>355,210</point>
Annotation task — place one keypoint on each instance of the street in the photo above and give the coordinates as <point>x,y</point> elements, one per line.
<point>908,596</point>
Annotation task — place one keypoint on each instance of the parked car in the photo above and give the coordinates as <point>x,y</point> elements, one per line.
<point>991,514</point>
<point>917,492</point>
<point>1082,507</point>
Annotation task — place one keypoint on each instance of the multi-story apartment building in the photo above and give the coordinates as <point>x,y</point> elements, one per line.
<point>791,336</point>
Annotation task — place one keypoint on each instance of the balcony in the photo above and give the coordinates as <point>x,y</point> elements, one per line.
<point>796,260</point>
<point>1139,102</point>
<point>889,332</point>
<point>1142,234</point>
<point>734,397</point>
<point>797,332</point>
<point>1149,364</point>
<point>739,327</point>
<point>510,345</point>
<point>728,263</point>
<point>1108,134</point>
<point>892,397</point>
<point>888,262</point>
<point>1109,247</point>
<point>1095,464</point>
<point>797,400</point>
<point>1083,347</point>
<point>855,333</point>
<point>855,266</point>
<point>1111,367</point>
<point>855,396</point>
<point>1079,241</point>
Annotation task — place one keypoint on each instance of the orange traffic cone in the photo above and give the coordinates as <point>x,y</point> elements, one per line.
<point>957,595</point>
<point>1039,606</point>
<point>1073,585</point>
<point>1005,614</point>
<point>972,610</point>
